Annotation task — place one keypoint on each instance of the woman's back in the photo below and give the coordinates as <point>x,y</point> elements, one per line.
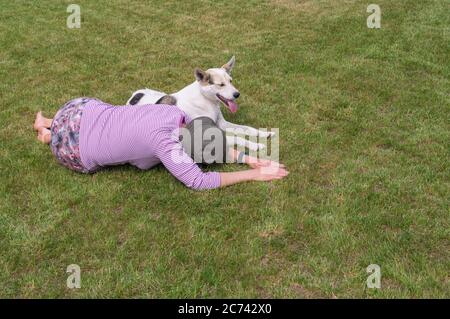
<point>112,135</point>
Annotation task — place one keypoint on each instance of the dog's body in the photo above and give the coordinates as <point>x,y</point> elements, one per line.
<point>202,98</point>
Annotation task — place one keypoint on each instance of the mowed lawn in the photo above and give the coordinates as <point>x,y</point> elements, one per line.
<point>364,120</point>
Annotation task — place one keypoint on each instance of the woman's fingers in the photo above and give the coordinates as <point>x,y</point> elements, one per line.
<point>268,173</point>
<point>264,162</point>
<point>282,172</point>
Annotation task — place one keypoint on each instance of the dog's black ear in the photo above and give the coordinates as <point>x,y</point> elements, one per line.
<point>136,98</point>
<point>201,75</point>
<point>229,65</point>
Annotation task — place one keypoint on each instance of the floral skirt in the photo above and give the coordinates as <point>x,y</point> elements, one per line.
<point>65,132</point>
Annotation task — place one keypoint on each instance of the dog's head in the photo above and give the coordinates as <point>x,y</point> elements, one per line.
<point>215,84</point>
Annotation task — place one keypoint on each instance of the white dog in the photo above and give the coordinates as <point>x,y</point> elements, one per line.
<point>203,98</point>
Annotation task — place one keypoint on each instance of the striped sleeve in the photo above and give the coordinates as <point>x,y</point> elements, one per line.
<point>180,165</point>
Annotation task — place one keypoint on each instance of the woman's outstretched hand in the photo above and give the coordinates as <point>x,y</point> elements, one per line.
<point>263,170</point>
<point>270,172</point>
<point>262,174</point>
<point>254,162</point>
<point>251,161</point>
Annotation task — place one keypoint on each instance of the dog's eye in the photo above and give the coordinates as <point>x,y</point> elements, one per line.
<point>221,84</point>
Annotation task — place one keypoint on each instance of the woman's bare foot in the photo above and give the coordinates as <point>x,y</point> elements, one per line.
<point>41,121</point>
<point>44,135</point>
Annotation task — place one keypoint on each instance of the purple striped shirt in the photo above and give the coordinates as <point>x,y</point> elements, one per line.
<point>140,135</point>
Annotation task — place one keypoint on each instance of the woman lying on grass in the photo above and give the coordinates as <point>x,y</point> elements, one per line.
<point>87,134</point>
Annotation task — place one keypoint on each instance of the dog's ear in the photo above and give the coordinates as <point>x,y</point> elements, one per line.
<point>229,65</point>
<point>201,76</point>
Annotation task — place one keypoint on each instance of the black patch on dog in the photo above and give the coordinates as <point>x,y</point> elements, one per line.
<point>167,99</point>
<point>136,98</point>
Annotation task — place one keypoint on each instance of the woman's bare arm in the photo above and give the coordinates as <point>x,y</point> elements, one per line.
<point>262,170</point>
<point>267,173</point>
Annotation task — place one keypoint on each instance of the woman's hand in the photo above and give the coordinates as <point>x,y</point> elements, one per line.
<point>270,172</point>
<point>254,162</point>
<point>262,174</point>
<point>251,161</point>
<point>263,170</point>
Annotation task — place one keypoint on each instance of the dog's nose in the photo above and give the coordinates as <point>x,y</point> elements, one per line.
<point>236,95</point>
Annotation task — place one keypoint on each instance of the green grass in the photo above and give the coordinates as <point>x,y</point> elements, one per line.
<point>364,119</point>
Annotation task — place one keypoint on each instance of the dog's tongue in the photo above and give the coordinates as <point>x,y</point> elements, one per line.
<point>232,106</point>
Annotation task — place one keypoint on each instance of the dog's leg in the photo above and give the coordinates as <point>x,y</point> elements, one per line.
<point>237,140</point>
<point>240,129</point>
<point>247,130</point>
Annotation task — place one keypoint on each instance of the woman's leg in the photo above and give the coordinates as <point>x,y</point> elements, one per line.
<point>41,121</point>
<point>44,135</point>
